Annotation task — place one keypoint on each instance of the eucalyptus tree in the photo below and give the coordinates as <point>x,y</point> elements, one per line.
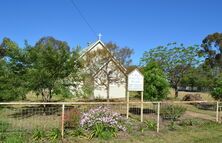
<point>211,49</point>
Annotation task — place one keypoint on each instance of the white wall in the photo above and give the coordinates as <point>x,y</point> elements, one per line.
<point>116,91</point>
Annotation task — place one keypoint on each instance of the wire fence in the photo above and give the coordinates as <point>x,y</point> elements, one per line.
<point>26,117</point>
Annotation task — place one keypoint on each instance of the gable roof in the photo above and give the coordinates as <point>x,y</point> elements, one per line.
<point>132,68</point>
<point>93,45</point>
<point>113,60</point>
<point>136,69</point>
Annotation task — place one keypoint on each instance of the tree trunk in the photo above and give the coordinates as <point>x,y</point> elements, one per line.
<point>107,91</point>
<point>176,91</point>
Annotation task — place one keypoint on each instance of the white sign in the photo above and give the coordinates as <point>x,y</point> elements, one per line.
<point>135,81</point>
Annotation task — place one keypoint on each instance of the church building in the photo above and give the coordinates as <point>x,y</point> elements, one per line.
<point>108,75</point>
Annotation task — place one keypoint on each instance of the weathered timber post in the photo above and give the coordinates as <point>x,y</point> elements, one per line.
<point>127,105</point>
<point>217,112</point>
<point>158,117</point>
<point>141,108</point>
<point>62,126</point>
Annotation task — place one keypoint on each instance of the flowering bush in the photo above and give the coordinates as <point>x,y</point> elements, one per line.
<point>103,122</point>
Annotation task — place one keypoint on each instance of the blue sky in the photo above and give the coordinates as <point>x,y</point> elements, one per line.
<point>138,24</point>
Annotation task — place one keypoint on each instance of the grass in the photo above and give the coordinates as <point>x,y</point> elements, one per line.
<point>205,132</point>
<point>209,132</point>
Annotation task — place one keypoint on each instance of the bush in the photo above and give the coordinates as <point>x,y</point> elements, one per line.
<point>217,90</point>
<point>72,118</point>
<point>39,134</point>
<point>103,122</point>
<point>172,112</point>
<point>54,134</point>
<point>156,86</point>
<point>217,93</point>
<point>152,125</point>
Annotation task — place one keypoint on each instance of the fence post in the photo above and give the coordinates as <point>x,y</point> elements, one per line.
<point>217,112</point>
<point>158,117</point>
<point>63,114</point>
<point>141,108</point>
<point>127,105</point>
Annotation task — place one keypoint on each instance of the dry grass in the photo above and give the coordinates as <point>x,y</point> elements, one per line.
<point>205,95</point>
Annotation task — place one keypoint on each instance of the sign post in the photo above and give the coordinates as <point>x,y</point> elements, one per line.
<point>135,83</point>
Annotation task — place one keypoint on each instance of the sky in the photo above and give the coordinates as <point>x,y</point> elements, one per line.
<point>138,24</point>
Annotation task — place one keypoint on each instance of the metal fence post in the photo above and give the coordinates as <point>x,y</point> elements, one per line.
<point>63,114</point>
<point>217,112</point>
<point>158,117</point>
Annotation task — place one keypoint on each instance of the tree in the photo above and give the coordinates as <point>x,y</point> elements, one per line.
<point>217,90</point>
<point>156,86</point>
<point>174,59</point>
<point>200,77</point>
<point>123,54</point>
<point>13,70</point>
<point>212,50</point>
<point>53,67</point>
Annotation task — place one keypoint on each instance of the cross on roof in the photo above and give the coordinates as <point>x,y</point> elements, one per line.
<point>99,36</point>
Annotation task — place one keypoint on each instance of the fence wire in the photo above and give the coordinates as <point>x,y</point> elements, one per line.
<point>28,117</point>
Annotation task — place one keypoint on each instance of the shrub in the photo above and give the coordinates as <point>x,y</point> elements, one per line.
<point>54,134</point>
<point>38,134</point>
<point>72,118</point>
<point>172,112</point>
<point>217,90</point>
<point>156,86</point>
<point>103,122</point>
<point>152,125</point>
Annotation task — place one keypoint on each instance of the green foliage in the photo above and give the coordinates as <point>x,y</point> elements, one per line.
<point>152,125</point>
<point>212,50</point>
<point>39,134</point>
<point>80,132</point>
<point>48,68</point>
<point>13,69</point>
<point>54,134</point>
<point>190,122</point>
<point>172,112</point>
<point>103,132</point>
<point>156,86</point>
<point>4,126</point>
<point>200,77</point>
<point>174,60</point>
<point>54,67</point>
<point>14,138</point>
<point>217,90</point>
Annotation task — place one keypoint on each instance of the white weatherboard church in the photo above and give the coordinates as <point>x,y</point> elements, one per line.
<point>108,76</point>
